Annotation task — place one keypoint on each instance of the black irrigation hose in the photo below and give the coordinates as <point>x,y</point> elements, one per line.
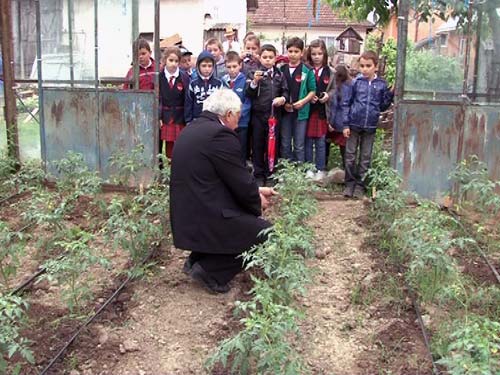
<point>92,318</point>
<point>478,248</point>
<point>4,200</point>
<point>29,281</point>
<point>33,277</point>
<point>425,334</point>
<point>29,225</point>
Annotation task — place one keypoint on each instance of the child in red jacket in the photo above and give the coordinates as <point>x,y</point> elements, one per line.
<point>146,67</point>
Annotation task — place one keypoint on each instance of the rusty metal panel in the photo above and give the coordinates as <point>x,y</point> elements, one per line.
<point>74,121</point>
<point>70,125</point>
<point>432,137</point>
<point>427,146</point>
<point>126,119</point>
<point>482,136</point>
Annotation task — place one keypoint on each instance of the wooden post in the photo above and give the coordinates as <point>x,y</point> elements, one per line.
<point>10,112</point>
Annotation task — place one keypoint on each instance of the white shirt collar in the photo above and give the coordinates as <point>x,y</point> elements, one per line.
<point>320,70</point>
<point>168,75</point>
<point>147,66</point>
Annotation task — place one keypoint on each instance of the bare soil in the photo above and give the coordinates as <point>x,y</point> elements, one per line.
<point>171,325</point>
<point>354,325</point>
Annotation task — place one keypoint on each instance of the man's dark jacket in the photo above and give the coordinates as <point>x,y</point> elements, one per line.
<point>214,200</point>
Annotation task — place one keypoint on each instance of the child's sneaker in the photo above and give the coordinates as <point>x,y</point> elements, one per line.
<point>310,175</point>
<point>319,176</point>
<point>348,191</point>
<point>359,192</point>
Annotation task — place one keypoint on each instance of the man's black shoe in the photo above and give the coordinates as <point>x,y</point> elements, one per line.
<point>348,191</point>
<point>359,192</point>
<point>188,265</point>
<point>199,274</point>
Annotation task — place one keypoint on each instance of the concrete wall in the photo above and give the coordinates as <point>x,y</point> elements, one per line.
<point>274,35</point>
<point>115,28</point>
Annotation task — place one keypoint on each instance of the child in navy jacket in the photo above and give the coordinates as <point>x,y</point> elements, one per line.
<point>173,86</point>
<point>201,87</point>
<point>267,88</point>
<point>370,96</point>
<point>339,109</point>
<point>236,80</point>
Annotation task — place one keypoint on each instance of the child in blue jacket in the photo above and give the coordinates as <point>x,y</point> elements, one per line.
<point>370,96</point>
<point>236,81</point>
<point>201,87</point>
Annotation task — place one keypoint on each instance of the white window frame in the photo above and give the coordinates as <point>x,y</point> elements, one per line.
<point>445,43</point>
<point>330,40</point>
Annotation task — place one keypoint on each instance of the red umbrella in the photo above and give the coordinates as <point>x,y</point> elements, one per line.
<point>271,141</point>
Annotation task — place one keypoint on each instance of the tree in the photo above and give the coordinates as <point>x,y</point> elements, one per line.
<point>382,9</point>
<point>426,9</point>
<point>360,9</point>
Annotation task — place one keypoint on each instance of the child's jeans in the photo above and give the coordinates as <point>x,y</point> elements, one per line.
<point>319,154</point>
<point>355,170</point>
<point>293,131</point>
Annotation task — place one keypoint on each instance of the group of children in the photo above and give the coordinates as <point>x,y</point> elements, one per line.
<point>313,103</point>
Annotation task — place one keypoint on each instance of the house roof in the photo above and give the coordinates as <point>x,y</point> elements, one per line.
<point>450,25</point>
<point>298,13</point>
<point>350,33</point>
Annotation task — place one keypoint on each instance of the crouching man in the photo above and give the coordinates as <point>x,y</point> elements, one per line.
<point>215,204</point>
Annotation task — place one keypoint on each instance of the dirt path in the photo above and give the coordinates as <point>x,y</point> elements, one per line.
<point>171,324</point>
<point>355,324</point>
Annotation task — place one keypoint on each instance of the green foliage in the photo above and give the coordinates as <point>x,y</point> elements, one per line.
<point>138,223</point>
<point>265,345</point>
<point>29,177</point>
<point>427,71</point>
<point>264,342</point>
<point>385,183</point>
<point>127,164</point>
<point>360,9</point>
<point>421,239</point>
<point>473,347</point>
<point>389,50</point>
<point>10,250</point>
<point>475,186</point>
<point>7,167</point>
<point>75,179</point>
<point>12,320</point>
<point>335,157</point>
<point>44,210</point>
<point>426,236</point>
<point>49,209</point>
<point>70,270</point>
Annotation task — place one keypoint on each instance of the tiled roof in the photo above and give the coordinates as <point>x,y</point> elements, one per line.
<point>298,13</point>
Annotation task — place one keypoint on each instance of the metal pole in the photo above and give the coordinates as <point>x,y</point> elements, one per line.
<point>70,40</point>
<point>157,81</point>
<point>467,49</point>
<point>478,50</point>
<point>403,12</point>
<point>96,82</point>
<point>135,34</point>
<point>19,40</point>
<point>41,110</point>
<point>8,78</point>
